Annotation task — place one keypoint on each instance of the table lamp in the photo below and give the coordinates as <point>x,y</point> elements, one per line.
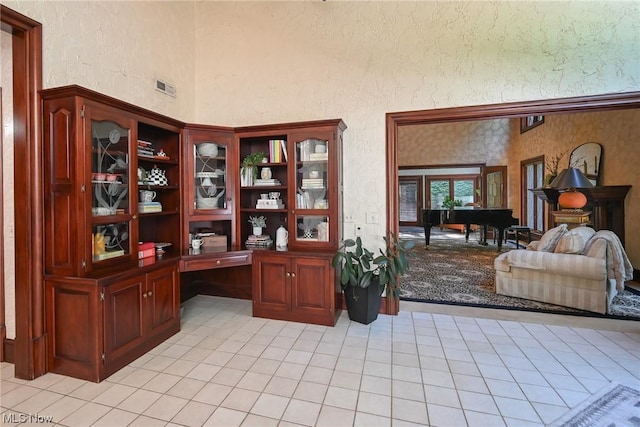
<point>570,179</point>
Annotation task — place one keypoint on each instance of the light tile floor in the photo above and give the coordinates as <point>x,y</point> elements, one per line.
<point>422,367</point>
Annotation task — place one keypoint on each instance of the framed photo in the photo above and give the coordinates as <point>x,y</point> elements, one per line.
<point>529,122</point>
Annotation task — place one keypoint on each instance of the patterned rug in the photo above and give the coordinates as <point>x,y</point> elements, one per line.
<point>615,406</point>
<point>456,272</point>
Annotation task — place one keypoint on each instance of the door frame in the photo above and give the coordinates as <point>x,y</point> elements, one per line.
<point>28,350</point>
<point>479,112</point>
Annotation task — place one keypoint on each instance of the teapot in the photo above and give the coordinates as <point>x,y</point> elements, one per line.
<point>282,237</point>
<point>157,176</point>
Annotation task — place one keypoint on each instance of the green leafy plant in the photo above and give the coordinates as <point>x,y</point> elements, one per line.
<point>359,267</point>
<point>251,161</point>
<point>449,202</point>
<point>258,221</point>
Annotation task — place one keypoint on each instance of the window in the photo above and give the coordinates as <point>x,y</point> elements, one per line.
<point>532,176</point>
<point>460,188</point>
<point>410,200</point>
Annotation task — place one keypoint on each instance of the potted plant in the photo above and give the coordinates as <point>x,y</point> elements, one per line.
<point>364,276</point>
<point>258,223</point>
<point>449,203</point>
<point>248,168</point>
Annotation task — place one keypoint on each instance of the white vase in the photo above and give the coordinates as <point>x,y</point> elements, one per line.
<point>265,173</point>
<point>257,231</point>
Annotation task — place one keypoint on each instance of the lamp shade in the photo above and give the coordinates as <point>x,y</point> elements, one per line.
<point>570,179</point>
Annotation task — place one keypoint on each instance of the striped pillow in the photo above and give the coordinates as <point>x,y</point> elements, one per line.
<point>550,239</point>
<point>574,241</point>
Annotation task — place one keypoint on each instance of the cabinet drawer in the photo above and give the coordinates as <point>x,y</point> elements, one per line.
<point>187,264</point>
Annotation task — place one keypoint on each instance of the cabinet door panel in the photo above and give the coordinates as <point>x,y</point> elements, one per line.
<point>310,291</point>
<point>73,317</point>
<point>162,300</point>
<point>272,285</point>
<point>123,317</point>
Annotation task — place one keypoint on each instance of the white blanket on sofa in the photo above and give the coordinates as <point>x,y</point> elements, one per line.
<point>618,265</point>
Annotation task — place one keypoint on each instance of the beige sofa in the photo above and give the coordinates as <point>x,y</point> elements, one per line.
<point>585,270</point>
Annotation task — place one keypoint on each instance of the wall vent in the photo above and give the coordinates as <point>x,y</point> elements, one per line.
<point>166,88</point>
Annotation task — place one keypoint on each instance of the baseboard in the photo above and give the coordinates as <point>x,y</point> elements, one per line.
<point>8,350</point>
<point>636,275</point>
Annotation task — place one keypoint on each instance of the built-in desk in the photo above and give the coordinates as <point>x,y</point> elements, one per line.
<point>606,204</point>
<point>215,271</point>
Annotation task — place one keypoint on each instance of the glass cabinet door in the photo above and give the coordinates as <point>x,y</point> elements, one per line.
<point>109,169</point>
<point>209,175</point>
<point>110,207</point>
<point>312,183</point>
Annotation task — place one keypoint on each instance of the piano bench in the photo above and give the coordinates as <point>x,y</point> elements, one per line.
<point>515,231</point>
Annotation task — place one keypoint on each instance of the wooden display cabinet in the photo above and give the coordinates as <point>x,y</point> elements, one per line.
<point>303,181</point>
<point>307,181</point>
<point>209,177</point>
<point>104,306</point>
<point>93,178</point>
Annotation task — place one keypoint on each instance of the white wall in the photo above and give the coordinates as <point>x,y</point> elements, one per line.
<point>244,63</point>
<point>119,48</point>
<point>269,62</point>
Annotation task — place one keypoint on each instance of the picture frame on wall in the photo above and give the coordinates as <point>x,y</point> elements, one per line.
<point>529,122</point>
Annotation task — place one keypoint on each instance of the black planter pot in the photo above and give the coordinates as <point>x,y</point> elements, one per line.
<point>363,304</point>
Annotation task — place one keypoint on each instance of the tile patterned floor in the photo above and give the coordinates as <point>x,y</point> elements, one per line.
<point>226,368</point>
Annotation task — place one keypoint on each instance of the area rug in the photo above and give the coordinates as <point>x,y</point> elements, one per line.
<point>456,272</point>
<point>615,406</point>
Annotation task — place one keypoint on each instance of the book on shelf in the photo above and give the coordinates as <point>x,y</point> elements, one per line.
<point>275,151</point>
<point>266,182</point>
<point>263,241</point>
<point>269,204</point>
<point>319,156</point>
<point>148,207</point>
<point>283,143</point>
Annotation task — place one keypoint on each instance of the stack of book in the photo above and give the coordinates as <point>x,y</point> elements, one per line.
<point>269,204</point>
<point>263,241</point>
<point>149,207</point>
<point>318,156</point>
<point>145,148</point>
<point>312,183</point>
<point>266,182</point>
<point>146,249</point>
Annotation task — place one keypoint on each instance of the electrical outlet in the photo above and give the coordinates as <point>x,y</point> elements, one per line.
<point>348,218</point>
<point>358,230</point>
<point>372,218</point>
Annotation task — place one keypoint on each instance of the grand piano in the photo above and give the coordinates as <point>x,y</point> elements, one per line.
<point>501,219</point>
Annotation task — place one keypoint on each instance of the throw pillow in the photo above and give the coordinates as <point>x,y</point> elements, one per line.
<point>550,239</point>
<point>533,246</point>
<point>574,241</point>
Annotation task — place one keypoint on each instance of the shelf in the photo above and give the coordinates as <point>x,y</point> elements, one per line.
<point>157,187</point>
<point>158,213</point>
<point>265,187</point>
<point>157,159</point>
<point>254,210</point>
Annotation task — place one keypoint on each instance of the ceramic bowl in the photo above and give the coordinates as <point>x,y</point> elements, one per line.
<point>208,149</point>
